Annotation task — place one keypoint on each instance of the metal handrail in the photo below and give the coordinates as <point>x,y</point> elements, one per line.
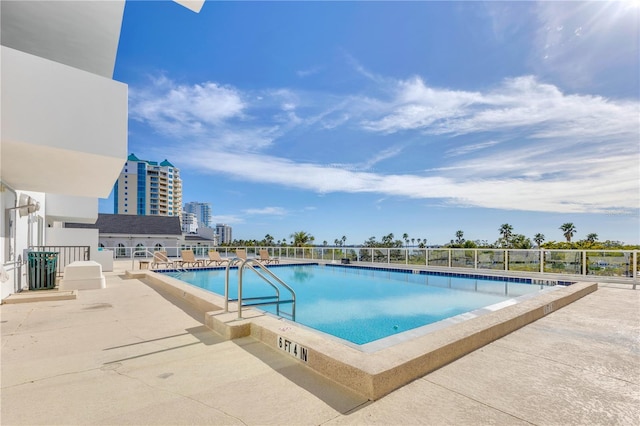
<point>251,263</point>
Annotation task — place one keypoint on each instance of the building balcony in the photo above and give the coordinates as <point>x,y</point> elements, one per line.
<point>64,130</point>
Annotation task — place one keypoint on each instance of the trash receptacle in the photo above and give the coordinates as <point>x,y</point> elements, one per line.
<point>43,266</point>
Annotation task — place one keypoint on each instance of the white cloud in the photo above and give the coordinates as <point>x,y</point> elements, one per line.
<point>596,186</point>
<point>228,219</point>
<point>540,109</point>
<point>467,149</point>
<point>176,109</point>
<point>558,152</point>
<point>270,211</point>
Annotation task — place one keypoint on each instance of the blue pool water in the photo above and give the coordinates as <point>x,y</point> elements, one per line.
<point>362,305</point>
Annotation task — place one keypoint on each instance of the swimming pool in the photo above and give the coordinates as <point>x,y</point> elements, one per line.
<point>362,305</point>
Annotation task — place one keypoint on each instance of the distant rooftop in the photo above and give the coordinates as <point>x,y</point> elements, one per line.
<point>165,163</point>
<point>133,224</point>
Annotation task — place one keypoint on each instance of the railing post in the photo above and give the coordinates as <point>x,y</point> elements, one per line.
<point>584,262</point>
<point>475,258</point>
<point>506,259</point>
<point>635,268</point>
<point>449,258</point>
<point>426,256</point>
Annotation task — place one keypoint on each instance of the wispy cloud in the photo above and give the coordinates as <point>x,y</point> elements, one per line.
<point>227,219</point>
<point>467,149</point>
<point>523,103</point>
<point>177,109</point>
<point>308,72</point>
<point>558,152</point>
<point>270,211</point>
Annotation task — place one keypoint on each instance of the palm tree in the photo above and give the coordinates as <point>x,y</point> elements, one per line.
<point>405,237</point>
<point>268,239</point>
<point>568,230</point>
<point>413,241</point>
<point>506,231</point>
<point>592,237</point>
<point>344,240</point>
<point>539,239</point>
<point>301,238</point>
<point>336,242</point>
<point>459,235</point>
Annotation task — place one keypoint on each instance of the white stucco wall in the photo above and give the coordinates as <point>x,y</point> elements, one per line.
<point>69,208</point>
<point>64,130</point>
<point>72,237</point>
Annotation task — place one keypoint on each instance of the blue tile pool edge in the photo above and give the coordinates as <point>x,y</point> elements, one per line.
<point>518,280</point>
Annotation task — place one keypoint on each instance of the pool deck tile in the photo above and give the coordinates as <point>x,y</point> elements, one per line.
<point>132,354</point>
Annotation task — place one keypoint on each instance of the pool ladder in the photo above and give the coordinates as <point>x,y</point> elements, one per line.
<point>269,277</point>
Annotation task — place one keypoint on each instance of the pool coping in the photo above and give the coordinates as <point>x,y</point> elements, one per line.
<point>371,374</point>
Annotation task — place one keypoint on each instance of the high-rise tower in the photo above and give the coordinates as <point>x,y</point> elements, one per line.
<point>148,188</point>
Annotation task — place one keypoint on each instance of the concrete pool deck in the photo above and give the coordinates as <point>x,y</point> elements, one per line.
<point>131,354</point>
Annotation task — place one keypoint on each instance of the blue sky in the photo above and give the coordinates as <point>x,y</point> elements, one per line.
<point>368,118</point>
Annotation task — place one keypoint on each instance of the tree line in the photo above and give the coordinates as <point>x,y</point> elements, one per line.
<point>507,239</point>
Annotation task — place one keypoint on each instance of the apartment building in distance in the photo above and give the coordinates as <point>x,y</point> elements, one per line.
<point>224,233</point>
<point>189,223</point>
<point>148,188</point>
<point>202,211</point>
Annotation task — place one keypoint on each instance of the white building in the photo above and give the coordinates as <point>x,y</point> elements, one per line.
<point>189,223</point>
<point>202,212</point>
<point>224,232</point>
<point>64,125</point>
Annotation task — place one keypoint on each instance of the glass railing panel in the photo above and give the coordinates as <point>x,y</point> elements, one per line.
<point>524,260</point>
<point>365,255</point>
<point>491,259</point>
<point>610,263</point>
<point>439,258</point>
<point>563,262</point>
<point>417,257</point>
<point>462,258</point>
<point>397,256</point>
<point>380,256</point>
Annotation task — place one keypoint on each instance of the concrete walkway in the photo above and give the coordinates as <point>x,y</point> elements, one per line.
<point>130,355</point>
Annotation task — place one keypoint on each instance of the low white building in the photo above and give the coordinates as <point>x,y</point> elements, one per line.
<point>136,235</point>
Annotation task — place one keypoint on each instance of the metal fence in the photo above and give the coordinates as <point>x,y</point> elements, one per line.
<point>66,254</point>
<point>606,263</point>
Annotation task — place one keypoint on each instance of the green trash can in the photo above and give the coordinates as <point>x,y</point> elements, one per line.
<point>43,267</point>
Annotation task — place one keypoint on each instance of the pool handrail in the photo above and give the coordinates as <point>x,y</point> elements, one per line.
<point>251,263</point>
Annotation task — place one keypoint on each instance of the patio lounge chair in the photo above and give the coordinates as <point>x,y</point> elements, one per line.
<point>241,253</point>
<point>264,257</point>
<point>160,258</point>
<point>189,259</point>
<point>214,257</point>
